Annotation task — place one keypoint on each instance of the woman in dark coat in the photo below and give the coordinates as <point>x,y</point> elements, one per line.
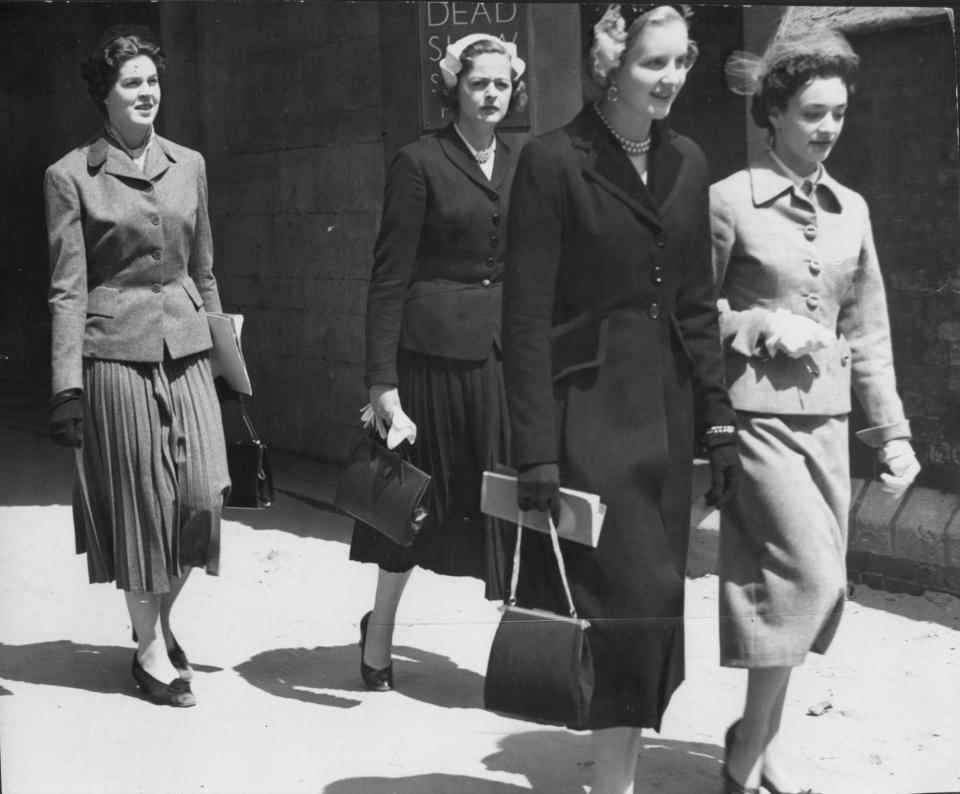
<point>613,366</point>
<point>804,321</point>
<point>433,326</point>
<point>132,278</point>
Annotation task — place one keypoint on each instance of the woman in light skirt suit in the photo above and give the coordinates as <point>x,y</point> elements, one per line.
<point>803,318</point>
<point>132,277</point>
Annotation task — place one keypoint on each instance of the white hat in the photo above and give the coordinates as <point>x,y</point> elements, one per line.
<point>451,65</point>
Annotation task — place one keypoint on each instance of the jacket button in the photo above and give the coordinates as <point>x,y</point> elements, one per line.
<point>810,231</point>
<point>661,242</point>
<point>156,255</point>
<point>494,240</point>
<point>815,266</point>
<point>157,287</point>
<point>813,301</point>
<point>490,261</point>
<point>654,311</point>
<point>486,282</point>
<point>495,218</point>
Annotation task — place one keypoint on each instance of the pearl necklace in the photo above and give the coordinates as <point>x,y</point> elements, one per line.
<point>631,147</point>
<point>480,155</point>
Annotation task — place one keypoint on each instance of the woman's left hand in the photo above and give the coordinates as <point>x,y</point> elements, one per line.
<point>900,466</point>
<point>725,469</point>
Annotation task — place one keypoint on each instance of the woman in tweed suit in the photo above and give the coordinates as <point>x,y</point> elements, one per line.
<point>131,259</point>
<point>804,318</point>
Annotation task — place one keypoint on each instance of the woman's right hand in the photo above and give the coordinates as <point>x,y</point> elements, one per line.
<point>66,418</point>
<point>392,423</point>
<point>794,335</point>
<point>538,488</point>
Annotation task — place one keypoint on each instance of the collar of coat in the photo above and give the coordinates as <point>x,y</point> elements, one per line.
<point>458,154</point>
<point>769,181</point>
<point>102,152</point>
<point>605,163</point>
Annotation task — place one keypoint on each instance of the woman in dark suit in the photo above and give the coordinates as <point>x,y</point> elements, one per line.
<point>804,321</point>
<point>613,366</point>
<point>433,318</point>
<point>132,275</point>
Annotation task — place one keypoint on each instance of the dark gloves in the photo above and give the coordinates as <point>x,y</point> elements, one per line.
<point>725,468</point>
<point>538,488</point>
<point>66,418</point>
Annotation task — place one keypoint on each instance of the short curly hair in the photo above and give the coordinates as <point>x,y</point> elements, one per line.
<point>637,18</point>
<point>792,62</point>
<point>118,45</point>
<point>518,95</point>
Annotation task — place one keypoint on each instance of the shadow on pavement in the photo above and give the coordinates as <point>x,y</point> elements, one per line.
<point>940,608</point>
<point>427,784</point>
<point>559,762</point>
<point>96,668</point>
<point>309,675</point>
<point>298,515</point>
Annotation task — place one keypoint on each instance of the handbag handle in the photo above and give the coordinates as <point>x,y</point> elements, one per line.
<point>555,542</point>
<point>261,474</point>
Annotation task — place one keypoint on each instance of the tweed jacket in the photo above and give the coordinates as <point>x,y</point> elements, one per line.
<point>131,256</point>
<point>436,284</point>
<point>774,248</point>
<point>587,237</point>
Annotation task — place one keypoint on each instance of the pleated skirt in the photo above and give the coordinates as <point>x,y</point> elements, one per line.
<point>151,474</point>
<point>783,541</point>
<point>460,411</point>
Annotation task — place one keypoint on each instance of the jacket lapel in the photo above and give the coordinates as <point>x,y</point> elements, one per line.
<point>457,153</point>
<point>118,163</point>
<point>501,164</point>
<point>159,158</point>
<point>663,167</point>
<point>605,164</point>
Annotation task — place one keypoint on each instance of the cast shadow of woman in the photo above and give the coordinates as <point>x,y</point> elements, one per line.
<point>559,762</point>
<point>321,675</point>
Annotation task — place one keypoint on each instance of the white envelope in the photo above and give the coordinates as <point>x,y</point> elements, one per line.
<point>581,513</point>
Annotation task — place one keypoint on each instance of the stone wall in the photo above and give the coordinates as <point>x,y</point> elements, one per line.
<point>291,117</point>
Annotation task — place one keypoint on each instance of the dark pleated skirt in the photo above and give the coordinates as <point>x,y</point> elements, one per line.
<point>152,472</point>
<point>461,415</point>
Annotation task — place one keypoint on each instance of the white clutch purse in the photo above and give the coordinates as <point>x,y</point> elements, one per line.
<point>581,513</point>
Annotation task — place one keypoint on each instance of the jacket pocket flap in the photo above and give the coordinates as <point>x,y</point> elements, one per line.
<point>191,289</point>
<point>102,301</point>
<point>580,343</point>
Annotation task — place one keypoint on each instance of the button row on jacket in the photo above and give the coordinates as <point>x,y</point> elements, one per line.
<point>657,276</point>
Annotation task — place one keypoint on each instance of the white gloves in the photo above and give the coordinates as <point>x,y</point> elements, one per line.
<point>385,412</point>
<point>901,465</point>
<point>794,334</point>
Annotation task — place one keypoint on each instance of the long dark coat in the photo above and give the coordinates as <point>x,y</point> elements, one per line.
<point>613,367</point>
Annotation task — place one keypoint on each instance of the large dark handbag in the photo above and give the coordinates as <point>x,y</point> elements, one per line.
<point>251,479</point>
<point>541,667</point>
<point>384,490</point>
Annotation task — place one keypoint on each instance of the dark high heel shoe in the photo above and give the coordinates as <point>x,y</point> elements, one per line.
<point>177,657</point>
<point>375,680</point>
<point>730,785</point>
<point>176,693</point>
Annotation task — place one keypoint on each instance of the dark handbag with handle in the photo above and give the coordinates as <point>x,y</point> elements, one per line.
<point>382,489</point>
<point>251,479</point>
<point>541,667</point>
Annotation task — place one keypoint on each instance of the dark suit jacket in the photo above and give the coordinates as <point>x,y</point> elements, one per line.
<point>436,283</point>
<point>587,237</point>
<point>131,256</point>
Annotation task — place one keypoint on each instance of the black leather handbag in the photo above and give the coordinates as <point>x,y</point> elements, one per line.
<point>382,489</point>
<point>251,479</point>
<point>541,667</point>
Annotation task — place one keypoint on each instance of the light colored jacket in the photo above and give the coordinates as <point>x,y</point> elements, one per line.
<point>131,256</point>
<point>774,249</point>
